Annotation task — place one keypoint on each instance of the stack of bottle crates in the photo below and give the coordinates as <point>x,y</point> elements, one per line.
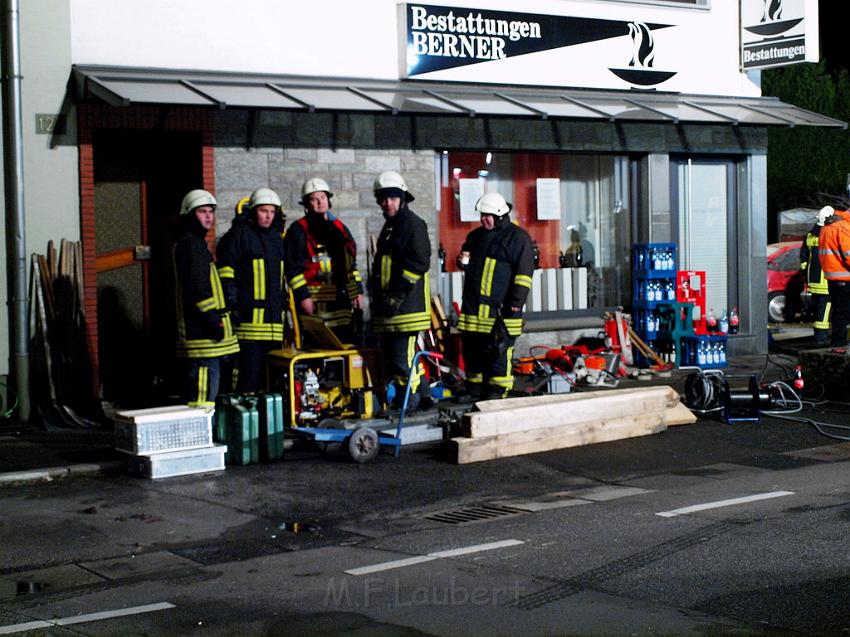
<point>702,348</point>
<point>653,287</point>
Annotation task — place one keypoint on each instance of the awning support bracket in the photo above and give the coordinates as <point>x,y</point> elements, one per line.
<point>451,103</point>
<point>516,102</point>
<point>189,85</point>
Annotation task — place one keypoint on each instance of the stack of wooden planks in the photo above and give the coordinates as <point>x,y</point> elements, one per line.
<point>60,365</point>
<point>518,426</point>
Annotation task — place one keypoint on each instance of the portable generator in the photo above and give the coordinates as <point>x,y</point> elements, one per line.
<point>333,382</point>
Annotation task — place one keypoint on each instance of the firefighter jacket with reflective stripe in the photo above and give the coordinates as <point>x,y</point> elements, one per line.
<point>203,324</point>
<point>497,278</point>
<point>810,263</point>
<point>321,263</point>
<point>399,277</point>
<point>834,247</point>
<point>250,263</point>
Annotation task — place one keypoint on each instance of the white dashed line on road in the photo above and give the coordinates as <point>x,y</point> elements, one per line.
<point>80,619</point>
<point>723,503</point>
<point>386,566</point>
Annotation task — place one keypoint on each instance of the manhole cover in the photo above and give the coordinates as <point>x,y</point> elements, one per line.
<point>468,515</point>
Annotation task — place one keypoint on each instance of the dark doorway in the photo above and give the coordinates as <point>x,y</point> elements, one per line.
<point>140,178</point>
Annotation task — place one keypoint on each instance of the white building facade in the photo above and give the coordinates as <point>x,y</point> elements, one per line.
<point>605,122</point>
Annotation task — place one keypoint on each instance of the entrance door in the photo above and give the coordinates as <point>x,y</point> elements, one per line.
<point>706,222</point>
<point>140,178</point>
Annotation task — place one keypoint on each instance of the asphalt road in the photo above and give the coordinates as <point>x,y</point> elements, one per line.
<point>704,529</point>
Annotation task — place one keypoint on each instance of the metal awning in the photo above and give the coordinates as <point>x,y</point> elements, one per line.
<point>122,86</point>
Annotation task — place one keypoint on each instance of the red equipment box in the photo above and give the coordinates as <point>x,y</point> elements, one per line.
<point>690,288</point>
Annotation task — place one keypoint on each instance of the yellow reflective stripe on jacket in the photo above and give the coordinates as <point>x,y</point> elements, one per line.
<point>216,301</point>
<point>523,279</point>
<point>205,348</point>
<point>260,332</point>
<point>413,322</point>
<point>324,292</point>
<point>207,304</point>
<point>470,323</point>
<point>226,272</point>
<point>487,277</point>
<point>513,326</point>
<point>259,279</point>
<point>298,281</point>
<point>413,277</point>
<point>386,270</point>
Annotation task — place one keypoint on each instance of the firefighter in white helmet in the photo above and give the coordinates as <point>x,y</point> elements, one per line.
<point>204,331</point>
<point>399,285</point>
<point>815,279</point>
<point>250,263</point>
<point>496,284</point>
<point>321,263</point>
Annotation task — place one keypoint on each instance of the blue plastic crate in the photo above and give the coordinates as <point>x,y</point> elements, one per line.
<point>653,259</point>
<point>704,351</point>
<point>649,291</point>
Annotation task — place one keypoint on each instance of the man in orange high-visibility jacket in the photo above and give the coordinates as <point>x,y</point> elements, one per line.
<point>834,256</point>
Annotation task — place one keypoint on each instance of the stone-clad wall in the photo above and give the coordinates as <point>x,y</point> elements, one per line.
<point>350,173</point>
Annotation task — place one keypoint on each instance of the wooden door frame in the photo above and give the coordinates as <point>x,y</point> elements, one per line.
<point>92,117</point>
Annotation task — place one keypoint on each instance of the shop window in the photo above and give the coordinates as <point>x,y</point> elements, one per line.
<point>706,214</point>
<point>575,207</point>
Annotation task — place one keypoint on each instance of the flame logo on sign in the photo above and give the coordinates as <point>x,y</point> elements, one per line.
<point>772,10</point>
<point>643,45</point>
<point>640,71</point>
<point>771,22</point>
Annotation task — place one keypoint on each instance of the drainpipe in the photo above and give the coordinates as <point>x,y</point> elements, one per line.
<point>13,175</point>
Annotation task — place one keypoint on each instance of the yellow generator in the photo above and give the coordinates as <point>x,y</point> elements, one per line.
<point>322,387</point>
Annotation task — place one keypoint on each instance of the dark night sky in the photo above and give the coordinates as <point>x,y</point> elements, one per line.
<point>833,43</point>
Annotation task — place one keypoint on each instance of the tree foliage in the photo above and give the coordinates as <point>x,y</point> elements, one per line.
<point>808,165</point>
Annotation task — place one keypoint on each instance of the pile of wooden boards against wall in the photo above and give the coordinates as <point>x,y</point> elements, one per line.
<point>517,426</point>
<point>60,367</point>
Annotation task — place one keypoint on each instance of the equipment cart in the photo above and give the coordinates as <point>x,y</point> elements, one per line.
<point>326,392</point>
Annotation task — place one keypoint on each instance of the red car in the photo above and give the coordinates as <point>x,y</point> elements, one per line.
<point>785,281</point>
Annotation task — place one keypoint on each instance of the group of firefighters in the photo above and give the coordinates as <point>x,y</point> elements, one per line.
<point>230,311</point>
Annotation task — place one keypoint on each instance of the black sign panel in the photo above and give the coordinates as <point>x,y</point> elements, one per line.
<point>439,38</point>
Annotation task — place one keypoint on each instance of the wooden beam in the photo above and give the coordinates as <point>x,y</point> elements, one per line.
<point>591,407</point>
<point>467,450</point>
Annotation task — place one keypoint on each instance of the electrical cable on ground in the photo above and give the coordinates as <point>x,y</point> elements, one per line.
<point>8,412</point>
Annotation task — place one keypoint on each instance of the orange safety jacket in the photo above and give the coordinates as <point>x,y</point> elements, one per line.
<point>834,245</point>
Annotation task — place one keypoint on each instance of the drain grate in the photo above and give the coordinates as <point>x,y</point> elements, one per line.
<point>468,515</point>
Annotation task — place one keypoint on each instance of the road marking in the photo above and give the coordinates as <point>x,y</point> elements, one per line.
<point>723,503</point>
<point>79,619</point>
<point>386,566</point>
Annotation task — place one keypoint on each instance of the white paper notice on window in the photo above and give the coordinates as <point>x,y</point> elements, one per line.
<point>549,198</point>
<point>470,192</point>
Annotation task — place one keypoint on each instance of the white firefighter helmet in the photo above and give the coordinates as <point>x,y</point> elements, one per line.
<point>314,184</point>
<point>391,180</point>
<point>264,196</point>
<point>825,213</point>
<point>492,203</point>
<point>196,199</point>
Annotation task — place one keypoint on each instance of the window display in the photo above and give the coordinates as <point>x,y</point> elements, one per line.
<point>575,207</point>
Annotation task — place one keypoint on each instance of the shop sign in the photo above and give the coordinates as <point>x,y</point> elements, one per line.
<point>436,38</point>
<point>778,33</point>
